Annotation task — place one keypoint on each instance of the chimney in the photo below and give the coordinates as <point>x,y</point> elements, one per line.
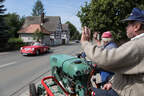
<point>42,18</point>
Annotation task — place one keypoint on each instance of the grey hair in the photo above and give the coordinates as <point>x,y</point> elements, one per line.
<point>142,24</point>
<point>107,39</point>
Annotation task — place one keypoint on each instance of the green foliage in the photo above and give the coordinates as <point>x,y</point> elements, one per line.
<point>14,22</point>
<point>15,43</point>
<point>103,15</point>
<point>3,27</point>
<point>38,35</point>
<point>38,8</point>
<point>74,33</point>
<point>15,40</point>
<point>84,15</point>
<point>2,9</point>
<point>9,25</point>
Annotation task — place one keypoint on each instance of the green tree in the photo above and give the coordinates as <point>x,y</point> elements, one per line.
<point>3,27</point>
<point>15,43</point>
<point>14,22</point>
<point>83,14</point>
<point>38,35</point>
<point>2,9</point>
<point>74,33</point>
<point>38,8</point>
<point>103,15</point>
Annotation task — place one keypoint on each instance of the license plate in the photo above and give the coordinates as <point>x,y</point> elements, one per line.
<point>24,53</point>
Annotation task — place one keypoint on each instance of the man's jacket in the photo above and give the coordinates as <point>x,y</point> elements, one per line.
<point>127,62</point>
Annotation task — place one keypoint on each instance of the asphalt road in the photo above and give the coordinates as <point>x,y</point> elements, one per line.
<point>17,71</point>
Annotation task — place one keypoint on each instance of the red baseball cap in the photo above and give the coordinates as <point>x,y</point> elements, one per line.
<point>107,34</point>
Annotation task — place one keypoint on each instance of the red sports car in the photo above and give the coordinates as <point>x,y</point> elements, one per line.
<point>34,49</point>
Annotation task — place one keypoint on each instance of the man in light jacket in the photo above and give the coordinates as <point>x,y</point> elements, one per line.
<point>127,61</point>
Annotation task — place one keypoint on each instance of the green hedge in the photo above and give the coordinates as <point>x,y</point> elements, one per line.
<point>15,43</point>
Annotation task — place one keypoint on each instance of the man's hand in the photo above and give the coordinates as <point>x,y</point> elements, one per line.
<point>85,34</point>
<point>95,35</point>
<point>107,86</point>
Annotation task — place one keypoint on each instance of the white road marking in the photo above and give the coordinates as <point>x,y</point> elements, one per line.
<point>8,64</point>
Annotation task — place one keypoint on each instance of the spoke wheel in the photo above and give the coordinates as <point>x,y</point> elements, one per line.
<point>37,52</point>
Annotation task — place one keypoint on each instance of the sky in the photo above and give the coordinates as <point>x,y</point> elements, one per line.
<point>66,9</point>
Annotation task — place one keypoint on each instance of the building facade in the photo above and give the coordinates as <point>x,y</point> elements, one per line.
<point>50,26</point>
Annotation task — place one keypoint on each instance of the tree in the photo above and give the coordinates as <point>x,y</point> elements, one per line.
<point>38,8</point>
<point>103,15</point>
<point>3,27</point>
<point>14,22</point>
<point>38,35</point>
<point>74,33</point>
<point>83,14</point>
<point>2,9</point>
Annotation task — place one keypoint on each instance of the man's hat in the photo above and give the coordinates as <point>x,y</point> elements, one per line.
<point>136,15</point>
<point>107,34</point>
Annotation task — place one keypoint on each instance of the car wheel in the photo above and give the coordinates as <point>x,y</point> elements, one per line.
<point>37,52</point>
<point>32,89</point>
<point>47,50</point>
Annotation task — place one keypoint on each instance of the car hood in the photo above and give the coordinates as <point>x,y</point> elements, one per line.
<point>30,46</point>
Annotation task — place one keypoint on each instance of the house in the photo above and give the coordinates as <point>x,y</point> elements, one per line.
<point>65,36</point>
<point>50,26</point>
<point>26,33</point>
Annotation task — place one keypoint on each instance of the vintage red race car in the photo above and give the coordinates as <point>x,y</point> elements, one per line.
<point>34,49</point>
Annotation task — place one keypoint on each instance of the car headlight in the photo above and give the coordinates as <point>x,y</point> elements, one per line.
<point>21,48</point>
<point>32,49</point>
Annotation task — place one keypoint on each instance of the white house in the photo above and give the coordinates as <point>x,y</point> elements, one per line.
<point>50,26</point>
<point>65,36</point>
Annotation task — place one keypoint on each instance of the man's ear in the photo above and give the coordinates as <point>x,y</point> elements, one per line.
<point>137,27</point>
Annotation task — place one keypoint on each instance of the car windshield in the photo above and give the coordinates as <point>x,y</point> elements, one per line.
<point>36,44</point>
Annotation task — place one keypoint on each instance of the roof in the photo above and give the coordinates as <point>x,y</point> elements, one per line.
<point>65,27</point>
<point>50,22</point>
<point>33,28</point>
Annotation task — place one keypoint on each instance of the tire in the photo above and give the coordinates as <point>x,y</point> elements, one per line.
<point>37,52</point>
<point>32,89</point>
<point>46,50</point>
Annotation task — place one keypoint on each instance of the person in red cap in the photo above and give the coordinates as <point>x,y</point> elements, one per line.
<point>126,61</point>
<point>107,40</point>
<point>105,43</point>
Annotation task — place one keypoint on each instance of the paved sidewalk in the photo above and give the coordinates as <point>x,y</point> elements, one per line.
<point>25,90</point>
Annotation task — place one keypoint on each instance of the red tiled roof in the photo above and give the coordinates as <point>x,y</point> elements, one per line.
<point>50,22</point>
<point>32,28</point>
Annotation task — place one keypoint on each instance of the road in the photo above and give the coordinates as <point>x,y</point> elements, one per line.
<point>17,71</point>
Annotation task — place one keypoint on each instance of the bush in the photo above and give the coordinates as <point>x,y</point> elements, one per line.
<point>15,43</point>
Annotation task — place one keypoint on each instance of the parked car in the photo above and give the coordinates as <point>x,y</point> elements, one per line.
<point>35,49</point>
<point>77,41</point>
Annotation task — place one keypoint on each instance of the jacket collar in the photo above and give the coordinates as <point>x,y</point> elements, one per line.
<point>138,36</point>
